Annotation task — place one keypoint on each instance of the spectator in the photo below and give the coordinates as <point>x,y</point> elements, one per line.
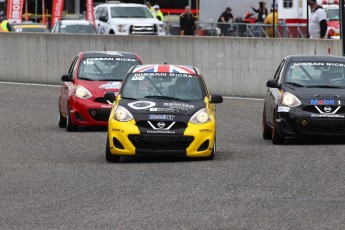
<point>149,6</point>
<point>157,13</point>
<point>262,11</point>
<point>269,21</point>
<point>223,21</point>
<point>187,22</point>
<point>317,20</point>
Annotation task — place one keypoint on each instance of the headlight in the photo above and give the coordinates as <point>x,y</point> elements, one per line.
<point>200,117</point>
<point>290,100</point>
<point>82,92</point>
<point>122,114</point>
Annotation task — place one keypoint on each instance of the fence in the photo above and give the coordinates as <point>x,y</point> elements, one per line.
<point>281,30</point>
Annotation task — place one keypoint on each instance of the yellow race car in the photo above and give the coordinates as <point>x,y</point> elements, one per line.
<point>162,110</point>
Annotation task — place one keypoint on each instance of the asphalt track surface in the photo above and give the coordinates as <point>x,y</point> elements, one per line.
<point>51,179</point>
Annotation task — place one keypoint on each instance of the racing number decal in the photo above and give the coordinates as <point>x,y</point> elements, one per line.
<point>138,78</point>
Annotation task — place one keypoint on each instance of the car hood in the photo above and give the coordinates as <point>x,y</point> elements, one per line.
<point>319,96</point>
<point>158,109</point>
<point>136,21</point>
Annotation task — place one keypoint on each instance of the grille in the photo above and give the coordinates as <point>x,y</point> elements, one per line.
<point>146,125</point>
<point>101,100</point>
<point>100,114</point>
<point>312,109</point>
<point>145,29</point>
<point>155,142</point>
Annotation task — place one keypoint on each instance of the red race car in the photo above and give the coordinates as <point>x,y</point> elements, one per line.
<point>90,76</point>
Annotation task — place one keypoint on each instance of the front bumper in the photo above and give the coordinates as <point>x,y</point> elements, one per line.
<point>86,112</point>
<point>126,139</point>
<point>298,122</point>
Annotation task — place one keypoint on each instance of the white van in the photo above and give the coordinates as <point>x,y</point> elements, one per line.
<point>127,19</point>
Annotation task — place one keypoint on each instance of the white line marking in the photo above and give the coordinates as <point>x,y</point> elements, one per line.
<point>34,84</point>
<point>245,98</point>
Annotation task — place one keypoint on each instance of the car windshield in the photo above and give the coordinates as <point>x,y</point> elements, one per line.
<point>316,74</point>
<point>332,14</point>
<point>168,86</point>
<point>80,29</point>
<point>105,68</point>
<point>130,12</point>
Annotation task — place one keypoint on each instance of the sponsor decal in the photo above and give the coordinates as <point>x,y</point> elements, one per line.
<point>283,109</point>
<point>160,132</point>
<point>111,59</point>
<point>322,102</point>
<point>328,116</point>
<point>106,106</point>
<point>111,85</point>
<point>118,130</point>
<point>180,106</point>
<point>318,64</point>
<point>161,117</point>
<point>138,105</point>
<point>162,110</point>
<point>205,130</point>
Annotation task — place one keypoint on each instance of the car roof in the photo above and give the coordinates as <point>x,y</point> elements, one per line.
<point>160,68</point>
<point>93,54</point>
<point>121,5</point>
<point>75,22</point>
<point>320,58</point>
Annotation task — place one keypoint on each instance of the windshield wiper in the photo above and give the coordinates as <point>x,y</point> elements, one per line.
<point>86,79</point>
<point>325,86</point>
<point>129,98</point>
<point>165,97</point>
<point>109,79</point>
<point>294,84</point>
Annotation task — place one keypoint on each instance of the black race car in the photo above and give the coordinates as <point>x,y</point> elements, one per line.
<point>305,98</point>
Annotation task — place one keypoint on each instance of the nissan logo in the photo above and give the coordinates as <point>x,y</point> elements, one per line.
<point>161,124</point>
<point>327,109</point>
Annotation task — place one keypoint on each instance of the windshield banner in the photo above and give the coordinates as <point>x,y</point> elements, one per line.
<point>14,11</point>
<point>57,11</point>
<point>89,12</point>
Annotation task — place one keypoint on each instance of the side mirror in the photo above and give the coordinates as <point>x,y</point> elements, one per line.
<point>66,77</point>
<point>103,18</point>
<point>272,83</point>
<point>110,96</point>
<point>216,99</point>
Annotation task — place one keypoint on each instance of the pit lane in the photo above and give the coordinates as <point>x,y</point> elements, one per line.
<point>53,179</point>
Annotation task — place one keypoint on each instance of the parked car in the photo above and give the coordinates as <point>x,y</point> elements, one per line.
<point>127,19</point>
<point>162,110</point>
<point>305,98</point>
<point>29,27</point>
<point>90,76</point>
<point>74,26</point>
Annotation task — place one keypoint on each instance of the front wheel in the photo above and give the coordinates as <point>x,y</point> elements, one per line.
<point>70,126</point>
<point>277,137</point>
<point>266,130</point>
<point>108,156</point>
<point>62,121</point>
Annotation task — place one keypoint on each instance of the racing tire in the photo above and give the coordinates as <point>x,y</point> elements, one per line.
<point>62,121</point>
<point>277,137</point>
<point>70,127</point>
<point>108,156</point>
<point>266,130</point>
